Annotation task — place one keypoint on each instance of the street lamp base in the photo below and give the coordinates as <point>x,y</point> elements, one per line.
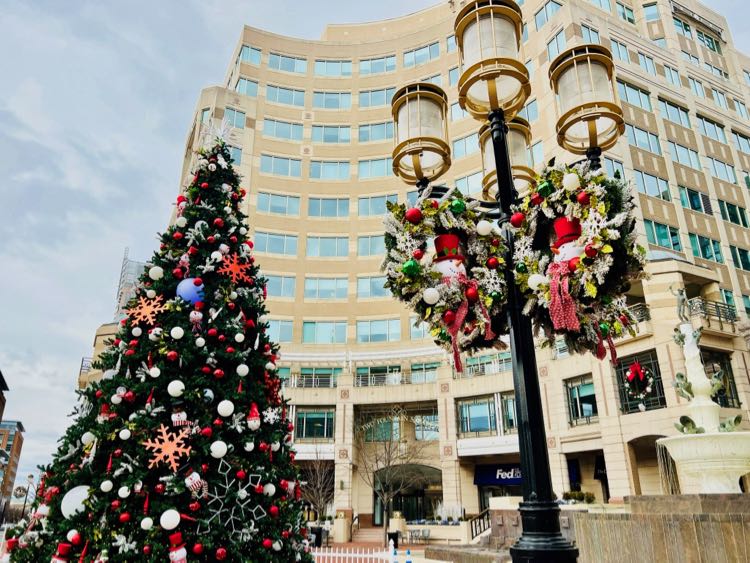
<point>541,540</point>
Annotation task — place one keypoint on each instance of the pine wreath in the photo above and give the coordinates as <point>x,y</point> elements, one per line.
<point>576,255</point>
<point>639,383</point>
<point>459,288</point>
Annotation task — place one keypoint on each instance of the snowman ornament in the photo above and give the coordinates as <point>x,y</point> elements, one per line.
<point>567,232</point>
<point>196,484</point>
<point>448,258</point>
<point>177,551</point>
<point>567,253</point>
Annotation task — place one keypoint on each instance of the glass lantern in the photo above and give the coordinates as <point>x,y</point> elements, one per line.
<point>518,139</point>
<point>589,115</point>
<point>421,153</point>
<point>488,35</point>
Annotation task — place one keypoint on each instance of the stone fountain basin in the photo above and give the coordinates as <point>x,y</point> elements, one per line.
<point>711,462</point>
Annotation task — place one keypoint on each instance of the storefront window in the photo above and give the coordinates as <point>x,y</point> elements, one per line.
<point>426,427</point>
<point>477,416</point>
<point>581,398</point>
<point>314,424</point>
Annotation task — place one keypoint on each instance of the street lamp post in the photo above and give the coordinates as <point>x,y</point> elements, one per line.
<point>29,484</point>
<point>493,87</point>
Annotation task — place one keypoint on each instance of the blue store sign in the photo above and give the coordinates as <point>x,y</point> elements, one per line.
<point>498,474</point>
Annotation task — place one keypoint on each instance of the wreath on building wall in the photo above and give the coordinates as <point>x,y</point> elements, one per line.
<point>639,384</point>
<point>576,255</point>
<point>444,260</point>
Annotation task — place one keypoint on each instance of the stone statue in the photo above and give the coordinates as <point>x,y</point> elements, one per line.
<point>682,309</point>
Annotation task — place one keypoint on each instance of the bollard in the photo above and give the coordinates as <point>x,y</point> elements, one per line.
<point>408,556</point>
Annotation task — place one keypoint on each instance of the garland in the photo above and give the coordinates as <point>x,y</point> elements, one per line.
<point>639,383</point>
<point>458,288</point>
<point>576,255</point>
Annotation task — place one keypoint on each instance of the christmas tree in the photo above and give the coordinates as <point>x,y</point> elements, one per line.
<point>182,451</point>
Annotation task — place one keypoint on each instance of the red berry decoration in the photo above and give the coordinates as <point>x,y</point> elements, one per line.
<point>210,239</point>
<point>206,370</point>
<point>204,185</point>
<point>449,317</point>
<point>274,511</point>
<point>493,263</point>
<point>146,549</point>
<point>417,254</point>
<point>99,393</point>
<point>472,294</point>
<point>583,198</point>
<point>207,432</point>
<point>159,488</point>
<point>230,350</point>
<point>218,373</point>
<point>590,251</point>
<point>197,282</point>
<point>233,239</point>
<point>267,543</point>
<point>218,222</point>
<point>517,219</point>
<point>221,554</point>
<point>115,504</point>
<point>129,396</point>
<point>241,474</point>
<point>117,452</point>
<point>172,355</point>
<point>624,320</point>
<point>129,352</point>
<point>177,235</point>
<point>537,199</point>
<point>75,539</point>
<point>193,250</point>
<point>413,215</point>
<point>212,332</point>
<point>218,422</point>
<point>285,534</point>
<point>124,517</point>
<point>194,506</point>
<point>259,489</point>
<point>198,549</point>
<point>573,263</point>
<point>177,272</point>
<point>435,204</point>
<point>222,338</point>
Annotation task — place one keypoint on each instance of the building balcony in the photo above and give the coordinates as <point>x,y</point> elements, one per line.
<point>393,378</point>
<point>85,366</point>
<point>491,444</point>
<point>298,381</point>
<point>715,316</point>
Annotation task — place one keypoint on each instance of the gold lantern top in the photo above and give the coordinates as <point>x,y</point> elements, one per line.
<point>421,153</point>
<point>518,139</point>
<point>488,36</point>
<point>589,113</point>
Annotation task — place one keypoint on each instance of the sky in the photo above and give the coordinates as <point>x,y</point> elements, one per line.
<point>96,99</point>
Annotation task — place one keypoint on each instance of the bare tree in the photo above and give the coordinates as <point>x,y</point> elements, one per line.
<point>318,478</point>
<point>385,457</point>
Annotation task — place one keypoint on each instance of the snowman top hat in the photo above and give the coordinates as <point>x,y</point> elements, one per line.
<point>175,540</point>
<point>448,247</point>
<point>63,549</point>
<point>566,230</point>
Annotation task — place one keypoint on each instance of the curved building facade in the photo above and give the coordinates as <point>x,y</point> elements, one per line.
<point>312,132</point>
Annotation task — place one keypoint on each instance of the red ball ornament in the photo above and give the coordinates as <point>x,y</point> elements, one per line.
<point>193,250</point>
<point>241,474</point>
<point>198,549</point>
<point>274,511</point>
<point>199,305</point>
<point>573,263</point>
<point>129,396</point>
<point>206,370</point>
<point>129,352</point>
<point>177,235</point>
<point>204,467</point>
<point>583,198</point>
<point>115,504</point>
<point>222,338</point>
<point>493,263</point>
<point>197,281</point>
<point>98,393</point>
<point>207,432</point>
<point>210,239</point>
<point>285,534</point>
<point>590,251</point>
<point>221,554</point>
<point>517,219</point>
<point>177,272</point>
<point>194,506</point>
<point>159,488</point>
<point>417,254</point>
<point>267,543</point>
<point>218,422</point>
<point>230,350</point>
<point>472,294</point>
<point>413,215</point>
<point>233,239</point>
<point>289,427</point>
<point>204,185</point>
<point>537,199</point>
<point>133,343</point>
<point>259,489</point>
<point>181,198</point>
<point>146,549</point>
<point>435,204</point>
<point>172,355</point>
<point>212,332</point>
<point>218,222</point>
<point>218,373</point>
<point>449,317</point>
<point>124,518</point>
<point>75,539</point>
<point>117,452</point>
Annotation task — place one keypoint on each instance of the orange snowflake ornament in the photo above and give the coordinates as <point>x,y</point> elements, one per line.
<point>168,447</point>
<point>147,309</point>
<point>235,269</point>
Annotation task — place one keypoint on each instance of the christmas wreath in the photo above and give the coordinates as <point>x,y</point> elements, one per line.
<point>639,383</point>
<point>457,289</point>
<point>576,255</point>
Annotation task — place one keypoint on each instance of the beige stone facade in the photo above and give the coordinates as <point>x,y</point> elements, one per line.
<point>310,129</point>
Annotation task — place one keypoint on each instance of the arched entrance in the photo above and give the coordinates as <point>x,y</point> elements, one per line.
<point>416,502</point>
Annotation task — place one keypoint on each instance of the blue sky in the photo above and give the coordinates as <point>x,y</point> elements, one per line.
<point>95,103</point>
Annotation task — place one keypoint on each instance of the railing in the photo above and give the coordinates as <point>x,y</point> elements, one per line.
<point>640,312</point>
<point>85,365</point>
<point>393,378</point>
<point>356,554</point>
<point>700,307</point>
<point>480,523</point>
<point>312,381</point>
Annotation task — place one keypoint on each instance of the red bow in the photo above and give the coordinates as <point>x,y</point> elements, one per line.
<point>635,369</point>
<point>461,314</point>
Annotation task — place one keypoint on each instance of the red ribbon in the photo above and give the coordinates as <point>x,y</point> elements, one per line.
<point>562,308</point>
<point>461,314</point>
<point>83,553</point>
<point>601,350</point>
<point>635,369</point>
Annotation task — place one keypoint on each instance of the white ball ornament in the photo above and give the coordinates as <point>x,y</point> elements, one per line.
<point>212,167</point>
<point>217,256</point>
<point>269,489</point>
<point>249,446</point>
<point>151,293</point>
<point>147,523</point>
<point>208,395</point>
<point>72,502</point>
<point>177,332</point>
<point>116,399</point>
<point>72,534</point>
<point>154,372</point>
<point>233,295</point>
<point>218,449</point>
<point>156,273</point>
<point>277,545</point>
<point>124,434</point>
<point>275,446</point>
<point>175,388</point>
<point>225,408</point>
<point>242,494</point>
<point>200,342</point>
<point>571,181</point>
<point>169,519</point>
<point>484,228</point>
<point>123,492</point>
<point>106,486</point>
<point>243,231</point>
<point>239,337</point>
<point>431,296</point>
<point>88,438</point>
<point>537,280</point>
<point>224,248</point>
<point>137,331</point>
<point>181,222</point>
<point>270,366</point>
<point>242,370</point>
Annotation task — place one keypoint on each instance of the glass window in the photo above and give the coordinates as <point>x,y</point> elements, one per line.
<point>581,399</point>
<point>279,331</point>
<point>706,248</point>
<point>531,67</point>
<point>434,79</point>
<point>276,203</point>
<point>333,68</point>
<point>662,235</point>
<point>280,166</point>
<point>741,109</point>
<point>457,113</point>
<point>426,427</point>
<point>250,55</point>
<point>708,41</point>
<point>331,133</point>
<point>733,213</point>
<point>280,286</point>
<point>382,430</point>
<point>282,130</point>
<point>376,132</point>
<point>508,407</point>
<point>536,154</point>
<point>376,168</point>
<point>287,96</point>
<point>372,286</point>
<point>682,28</point>
<point>421,55</point>
<point>326,288</point>
<point>634,95</point>
<point>466,145</point>
<point>275,243</point>
<point>695,200</point>
<point>235,118</point>
<point>673,76</point>
<point>697,87</point>
<point>603,4</point>
<point>720,363</point>
<point>375,98</point>
<point>424,373</point>
<point>655,400</point>
<point>205,115</point>
<point>329,170</point>
<point>314,424</point>
<point>652,185</point>
<point>324,332</point>
<point>720,98</point>
<point>450,43</point>
<point>381,330</point>
<point>722,170</point>
<point>411,197</point>
<point>476,416</point>
<point>471,184</point>
<point>418,329</point>
<point>332,100</point>
<point>711,129</point>
<point>625,12</point>
<point>614,167</point>
<point>590,35</point>
<point>247,87</point>
<point>674,113</point>
<point>236,154</point>
<point>619,50</point>
<point>453,75</point>
<point>556,45</point>
<point>530,111</point>
<point>740,257</point>
<point>742,142</point>
<point>375,205</point>
<point>647,63</point>
<point>328,207</point>
<point>651,12</point>
<point>684,155</point>
<point>545,14</point>
<point>377,65</point>
<point>642,139</point>
<point>287,63</point>
<point>327,247</point>
<point>371,245</point>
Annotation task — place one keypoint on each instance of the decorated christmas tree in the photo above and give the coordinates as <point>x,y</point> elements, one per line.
<point>182,451</point>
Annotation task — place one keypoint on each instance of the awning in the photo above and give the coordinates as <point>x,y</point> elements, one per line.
<point>498,474</point>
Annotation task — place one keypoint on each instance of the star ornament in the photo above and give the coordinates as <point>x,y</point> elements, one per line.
<point>146,310</point>
<point>238,271</point>
<point>168,447</point>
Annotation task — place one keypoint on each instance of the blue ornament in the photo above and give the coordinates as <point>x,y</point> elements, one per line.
<point>190,292</point>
